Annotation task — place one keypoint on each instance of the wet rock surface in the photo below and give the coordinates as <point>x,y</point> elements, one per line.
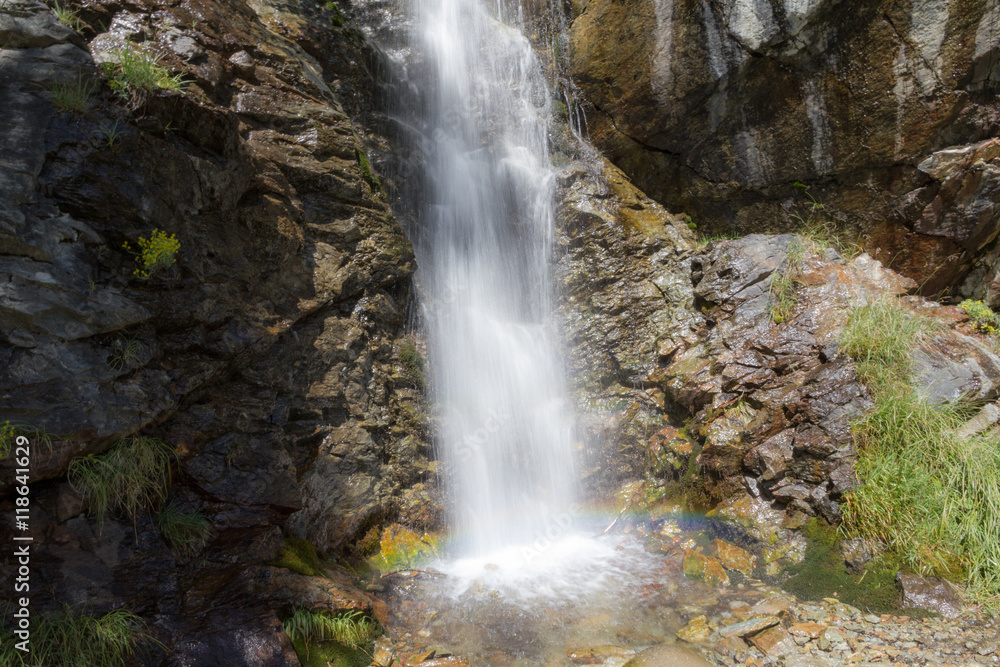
<point>671,619</point>
<point>773,401</point>
<point>716,108</point>
<point>266,356</point>
<point>626,303</point>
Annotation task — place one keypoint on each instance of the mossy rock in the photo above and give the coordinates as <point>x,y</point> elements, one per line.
<point>823,574</point>
<point>330,654</point>
<point>299,555</point>
<point>401,548</point>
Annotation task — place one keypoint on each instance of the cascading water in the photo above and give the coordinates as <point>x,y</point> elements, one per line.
<point>529,573</point>
<point>483,253</point>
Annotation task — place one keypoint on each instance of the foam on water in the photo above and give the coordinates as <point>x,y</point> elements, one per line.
<point>574,569</point>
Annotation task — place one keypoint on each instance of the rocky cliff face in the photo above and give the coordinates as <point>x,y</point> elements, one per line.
<point>266,356</point>
<point>271,357</point>
<point>716,108</point>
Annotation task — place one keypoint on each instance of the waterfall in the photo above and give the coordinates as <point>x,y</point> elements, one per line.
<point>483,251</point>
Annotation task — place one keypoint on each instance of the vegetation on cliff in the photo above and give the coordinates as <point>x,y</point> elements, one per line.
<point>929,492</point>
<point>70,639</point>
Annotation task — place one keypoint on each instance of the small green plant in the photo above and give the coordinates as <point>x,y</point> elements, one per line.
<point>820,229</point>
<point>401,548</point>
<point>413,363</point>
<point>37,438</point>
<point>690,223</point>
<point>299,555</point>
<point>982,316</point>
<point>112,135</point>
<point>130,477</point>
<point>125,353</point>
<point>67,16</point>
<point>74,96</point>
<point>366,172</point>
<point>338,19</point>
<point>156,253</point>
<point>69,639</point>
<point>784,281</point>
<point>136,74</point>
<point>186,532</point>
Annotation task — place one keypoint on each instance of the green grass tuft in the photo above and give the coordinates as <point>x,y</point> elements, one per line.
<point>137,73</point>
<point>784,281</point>
<point>125,354</point>
<point>186,532</point>
<point>931,496</point>
<point>37,438</point>
<point>882,333</point>
<point>74,96</point>
<point>299,555</point>
<point>130,477</point>
<point>349,628</point>
<point>67,16</point>
<point>68,639</point>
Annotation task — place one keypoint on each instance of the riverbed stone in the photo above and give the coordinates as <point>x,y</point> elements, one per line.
<point>596,655</point>
<point>749,626</point>
<point>704,568</point>
<point>667,655</point>
<point>810,630</point>
<point>929,593</point>
<point>696,631</point>
<point>773,642</point>
<point>732,557</point>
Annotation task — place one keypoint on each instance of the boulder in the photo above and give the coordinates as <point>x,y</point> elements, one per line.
<point>667,655</point>
<point>929,593</point>
<point>704,568</point>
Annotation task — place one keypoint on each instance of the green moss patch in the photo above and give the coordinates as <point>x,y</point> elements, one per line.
<point>330,654</point>
<point>299,555</point>
<point>823,574</point>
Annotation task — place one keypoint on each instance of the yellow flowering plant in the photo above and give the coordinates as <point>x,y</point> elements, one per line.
<point>155,253</point>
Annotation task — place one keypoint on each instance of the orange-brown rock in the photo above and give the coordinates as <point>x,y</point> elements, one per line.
<point>595,655</point>
<point>732,557</point>
<point>773,642</point>
<point>810,630</point>
<point>704,568</point>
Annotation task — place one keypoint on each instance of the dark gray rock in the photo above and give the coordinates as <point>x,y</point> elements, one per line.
<point>929,593</point>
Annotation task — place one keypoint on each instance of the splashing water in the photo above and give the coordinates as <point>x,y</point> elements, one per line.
<point>484,249</point>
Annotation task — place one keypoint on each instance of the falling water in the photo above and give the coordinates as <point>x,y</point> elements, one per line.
<point>483,252</point>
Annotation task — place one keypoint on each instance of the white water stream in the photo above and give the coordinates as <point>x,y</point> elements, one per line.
<point>484,250</point>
